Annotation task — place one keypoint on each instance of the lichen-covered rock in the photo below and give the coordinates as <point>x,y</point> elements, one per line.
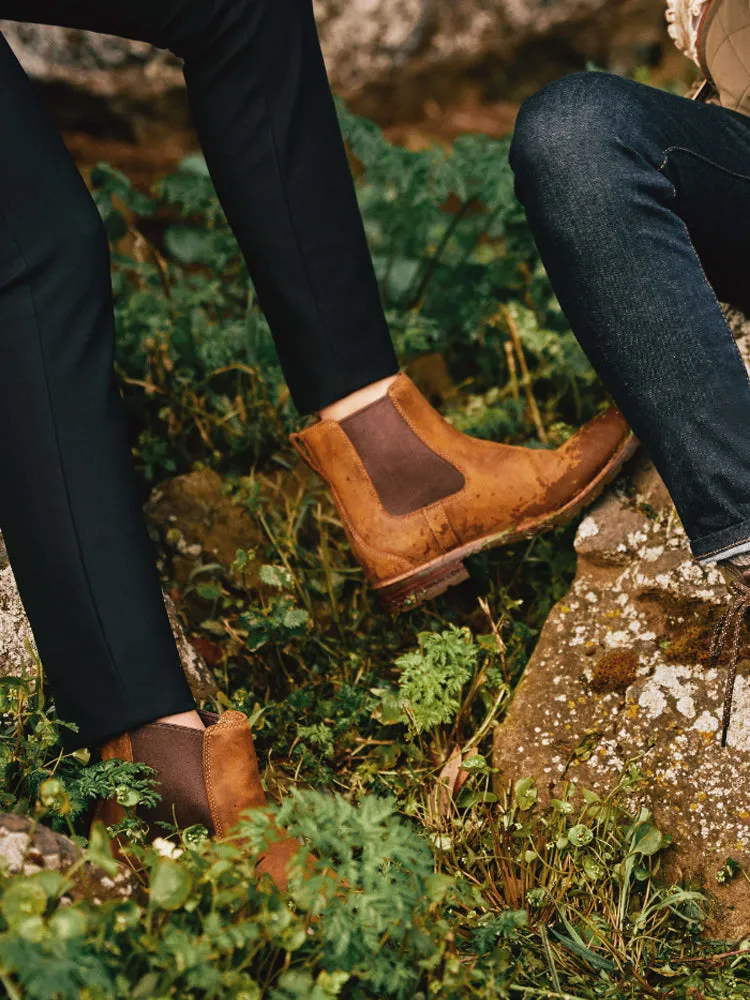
<point>200,524</point>
<point>100,64</point>
<point>16,639</point>
<point>27,847</point>
<point>18,649</point>
<point>367,42</point>
<point>621,673</point>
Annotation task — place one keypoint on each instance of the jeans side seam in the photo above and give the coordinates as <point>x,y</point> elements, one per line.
<point>707,283</point>
<point>293,230</point>
<point>58,450</point>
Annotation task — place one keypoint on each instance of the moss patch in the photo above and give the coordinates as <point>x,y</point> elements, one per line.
<point>614,671</point>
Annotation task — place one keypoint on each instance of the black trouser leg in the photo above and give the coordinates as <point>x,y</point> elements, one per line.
<point>267,124</point>
<point>69,506</point>
<point>68,502</point>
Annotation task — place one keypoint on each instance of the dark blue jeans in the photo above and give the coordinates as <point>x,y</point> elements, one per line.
<point>639,202</point>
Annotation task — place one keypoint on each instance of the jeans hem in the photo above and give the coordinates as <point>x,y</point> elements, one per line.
<point>722,544</point>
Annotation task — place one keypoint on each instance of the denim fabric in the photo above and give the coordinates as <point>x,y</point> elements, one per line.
<point>639,202</point>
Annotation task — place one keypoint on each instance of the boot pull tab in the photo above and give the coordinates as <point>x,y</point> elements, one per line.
<point>301,448</point>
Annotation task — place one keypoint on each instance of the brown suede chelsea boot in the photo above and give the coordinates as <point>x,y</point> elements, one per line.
<point>205,776</point>
<point>416,496</point>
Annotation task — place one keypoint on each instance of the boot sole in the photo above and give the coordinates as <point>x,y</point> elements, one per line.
<point>435,577</point>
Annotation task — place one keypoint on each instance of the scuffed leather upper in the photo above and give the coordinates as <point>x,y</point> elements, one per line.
<point>505,486</point>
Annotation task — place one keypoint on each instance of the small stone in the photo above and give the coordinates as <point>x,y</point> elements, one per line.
<point>27,847</point>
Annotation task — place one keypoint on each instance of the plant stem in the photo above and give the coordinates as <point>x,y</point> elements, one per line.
<point>431,268</point>
<point>526,382</point>
<point>546,993</point>
<point>10,989</point>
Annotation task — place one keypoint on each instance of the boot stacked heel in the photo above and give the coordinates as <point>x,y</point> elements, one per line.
<point>420,586</point>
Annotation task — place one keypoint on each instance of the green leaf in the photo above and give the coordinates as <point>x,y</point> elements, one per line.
<point>387,711</point>
<point>332,983</point>
<point>99,851</point>
<point>23,898</point>
<point>433,677</point>
<point>276,576</point>
<point>68,922</point>
<point>593,868</point>
<point>146,987</point>
<point>189,244</point>
<point>170,884</point>
<point>470,797</point>
<point>295,618</point>
<point>127,797</point>
<point>475,764</point>
<point>593,959</point>
<point>580,835</point>
<point>525,793</point>
<point>559,805</point>
<point>647,840</point>
<point>194,163</point>
<point>53,882</point>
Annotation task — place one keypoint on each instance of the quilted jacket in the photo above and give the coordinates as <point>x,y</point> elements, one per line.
<point>716,34</point>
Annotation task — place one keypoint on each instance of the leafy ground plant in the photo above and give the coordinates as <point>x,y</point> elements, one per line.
<point>494,897</point>
<point>448,884</point>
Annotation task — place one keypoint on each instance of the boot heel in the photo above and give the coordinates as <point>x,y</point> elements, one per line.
<point>411,591</point>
